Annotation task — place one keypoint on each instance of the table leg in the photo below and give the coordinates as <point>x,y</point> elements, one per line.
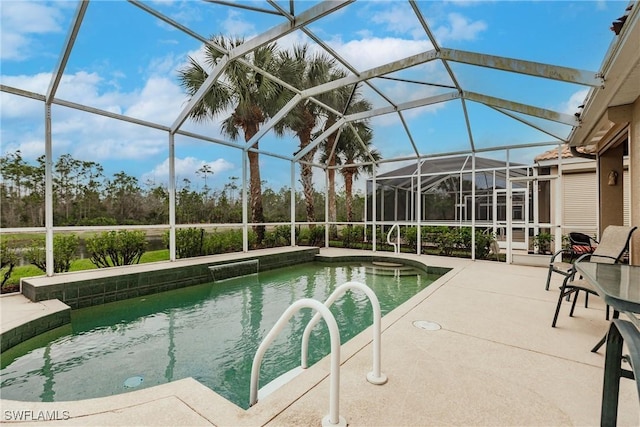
<point>612,373</point>
<point>616,314</point>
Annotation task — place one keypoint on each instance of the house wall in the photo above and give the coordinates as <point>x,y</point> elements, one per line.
<point>634,181</point>
<point>611,194</point>
<point>580,185</point>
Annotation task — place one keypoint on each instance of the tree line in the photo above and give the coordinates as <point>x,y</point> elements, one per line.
<point>84,195</point>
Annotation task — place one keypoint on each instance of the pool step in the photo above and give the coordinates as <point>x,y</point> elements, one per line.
<point>387,264</point>
<point>379,268</point>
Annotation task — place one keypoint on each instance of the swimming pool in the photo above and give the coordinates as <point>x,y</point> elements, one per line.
<point>209,332</point>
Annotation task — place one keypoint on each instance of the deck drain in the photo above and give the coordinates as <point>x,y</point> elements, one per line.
<point>426,325</point>
<point>133,382</point>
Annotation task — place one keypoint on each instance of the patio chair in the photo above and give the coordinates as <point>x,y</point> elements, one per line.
<point>613,245</point>
<point>579,244</point>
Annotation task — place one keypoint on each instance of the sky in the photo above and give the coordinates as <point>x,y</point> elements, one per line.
<point>126,61</point>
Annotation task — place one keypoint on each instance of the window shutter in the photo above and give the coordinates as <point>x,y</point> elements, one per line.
<point>580,203</point>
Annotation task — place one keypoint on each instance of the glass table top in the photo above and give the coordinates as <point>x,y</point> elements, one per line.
<point>617,284</point>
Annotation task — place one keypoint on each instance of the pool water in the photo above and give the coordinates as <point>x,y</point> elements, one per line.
<point>209,332</point>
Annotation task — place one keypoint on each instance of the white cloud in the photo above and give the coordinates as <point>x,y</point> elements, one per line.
<point>160,101</point>
<point>369,53</point>
<point>118,145</point>
<point>459,28</point>
<point>37,83</point>
<point>20,20</point>
<point>164,66</point>
<point>13,46</point>
<point>402,20</point>
<point>186,169</point>
<point>30,146</point>
<point>399,20</point>
<point>572,104</point>
<point>234,25</point>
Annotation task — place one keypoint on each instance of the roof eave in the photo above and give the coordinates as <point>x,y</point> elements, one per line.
<point>620,67</point>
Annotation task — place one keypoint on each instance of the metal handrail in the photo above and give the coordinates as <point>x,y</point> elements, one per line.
<point>334,418</point>
<point>375,376</point>
<point>396,246</point>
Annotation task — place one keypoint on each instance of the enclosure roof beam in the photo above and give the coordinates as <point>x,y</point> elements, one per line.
<point>528,123</point>
<point>21,92</point>
<point>313,144</point>
<point>273,121</point>
<point>404,106</point>
<point>537,69</point>
<point>391,67</point>
<point>406,129</point>
<point>529,110</point>
<point>68,47</point>
<point>468,124</point>
<point>240,5</point>
<point>464,152</point>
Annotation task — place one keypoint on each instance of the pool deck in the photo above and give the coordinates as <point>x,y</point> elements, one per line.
<point>495,361</point>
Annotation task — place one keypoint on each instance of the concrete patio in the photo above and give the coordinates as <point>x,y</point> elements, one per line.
<point>495,361</point>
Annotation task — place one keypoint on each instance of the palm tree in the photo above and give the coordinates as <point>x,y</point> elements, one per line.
<point>307,71</point>
<point>251,97</point>
<point>204,171</point>
<point>349,100</point>
<point>354,152</point>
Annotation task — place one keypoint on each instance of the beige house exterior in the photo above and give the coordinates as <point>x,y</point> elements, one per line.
<point>579,188</point>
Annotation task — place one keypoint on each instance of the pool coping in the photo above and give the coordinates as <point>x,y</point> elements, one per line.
<point>217,410</point>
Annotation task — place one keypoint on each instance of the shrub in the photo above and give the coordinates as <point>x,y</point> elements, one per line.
<point>464,238</point>
<point>410,236</point>
<point>189,242</point>
<point>220,242</point>
<point>381,237</point>
<point>310,236</point>
<point>113,248</point>
<point>351,235</point>
<point>430,234</point>
<point>98,221</point>
<point>543,242</point>
<point>279,236</point>
<point>302,236</point>
<point>447,240</point>
<point>192,242</point>
<point>216,242</point>
<point>316,237</point>
<point>8,260</point>
<point>65,247</point>
<point>483,243</point>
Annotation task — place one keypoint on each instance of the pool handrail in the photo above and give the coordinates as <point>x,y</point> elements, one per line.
<point>375,376</point>
<point>396,246</point>
<point>334,418</point>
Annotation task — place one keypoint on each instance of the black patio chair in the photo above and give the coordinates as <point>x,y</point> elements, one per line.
<point>613,245</point>
<point>579,244</point>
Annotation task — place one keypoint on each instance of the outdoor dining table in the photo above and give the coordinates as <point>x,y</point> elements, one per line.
<point>619,286</point>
